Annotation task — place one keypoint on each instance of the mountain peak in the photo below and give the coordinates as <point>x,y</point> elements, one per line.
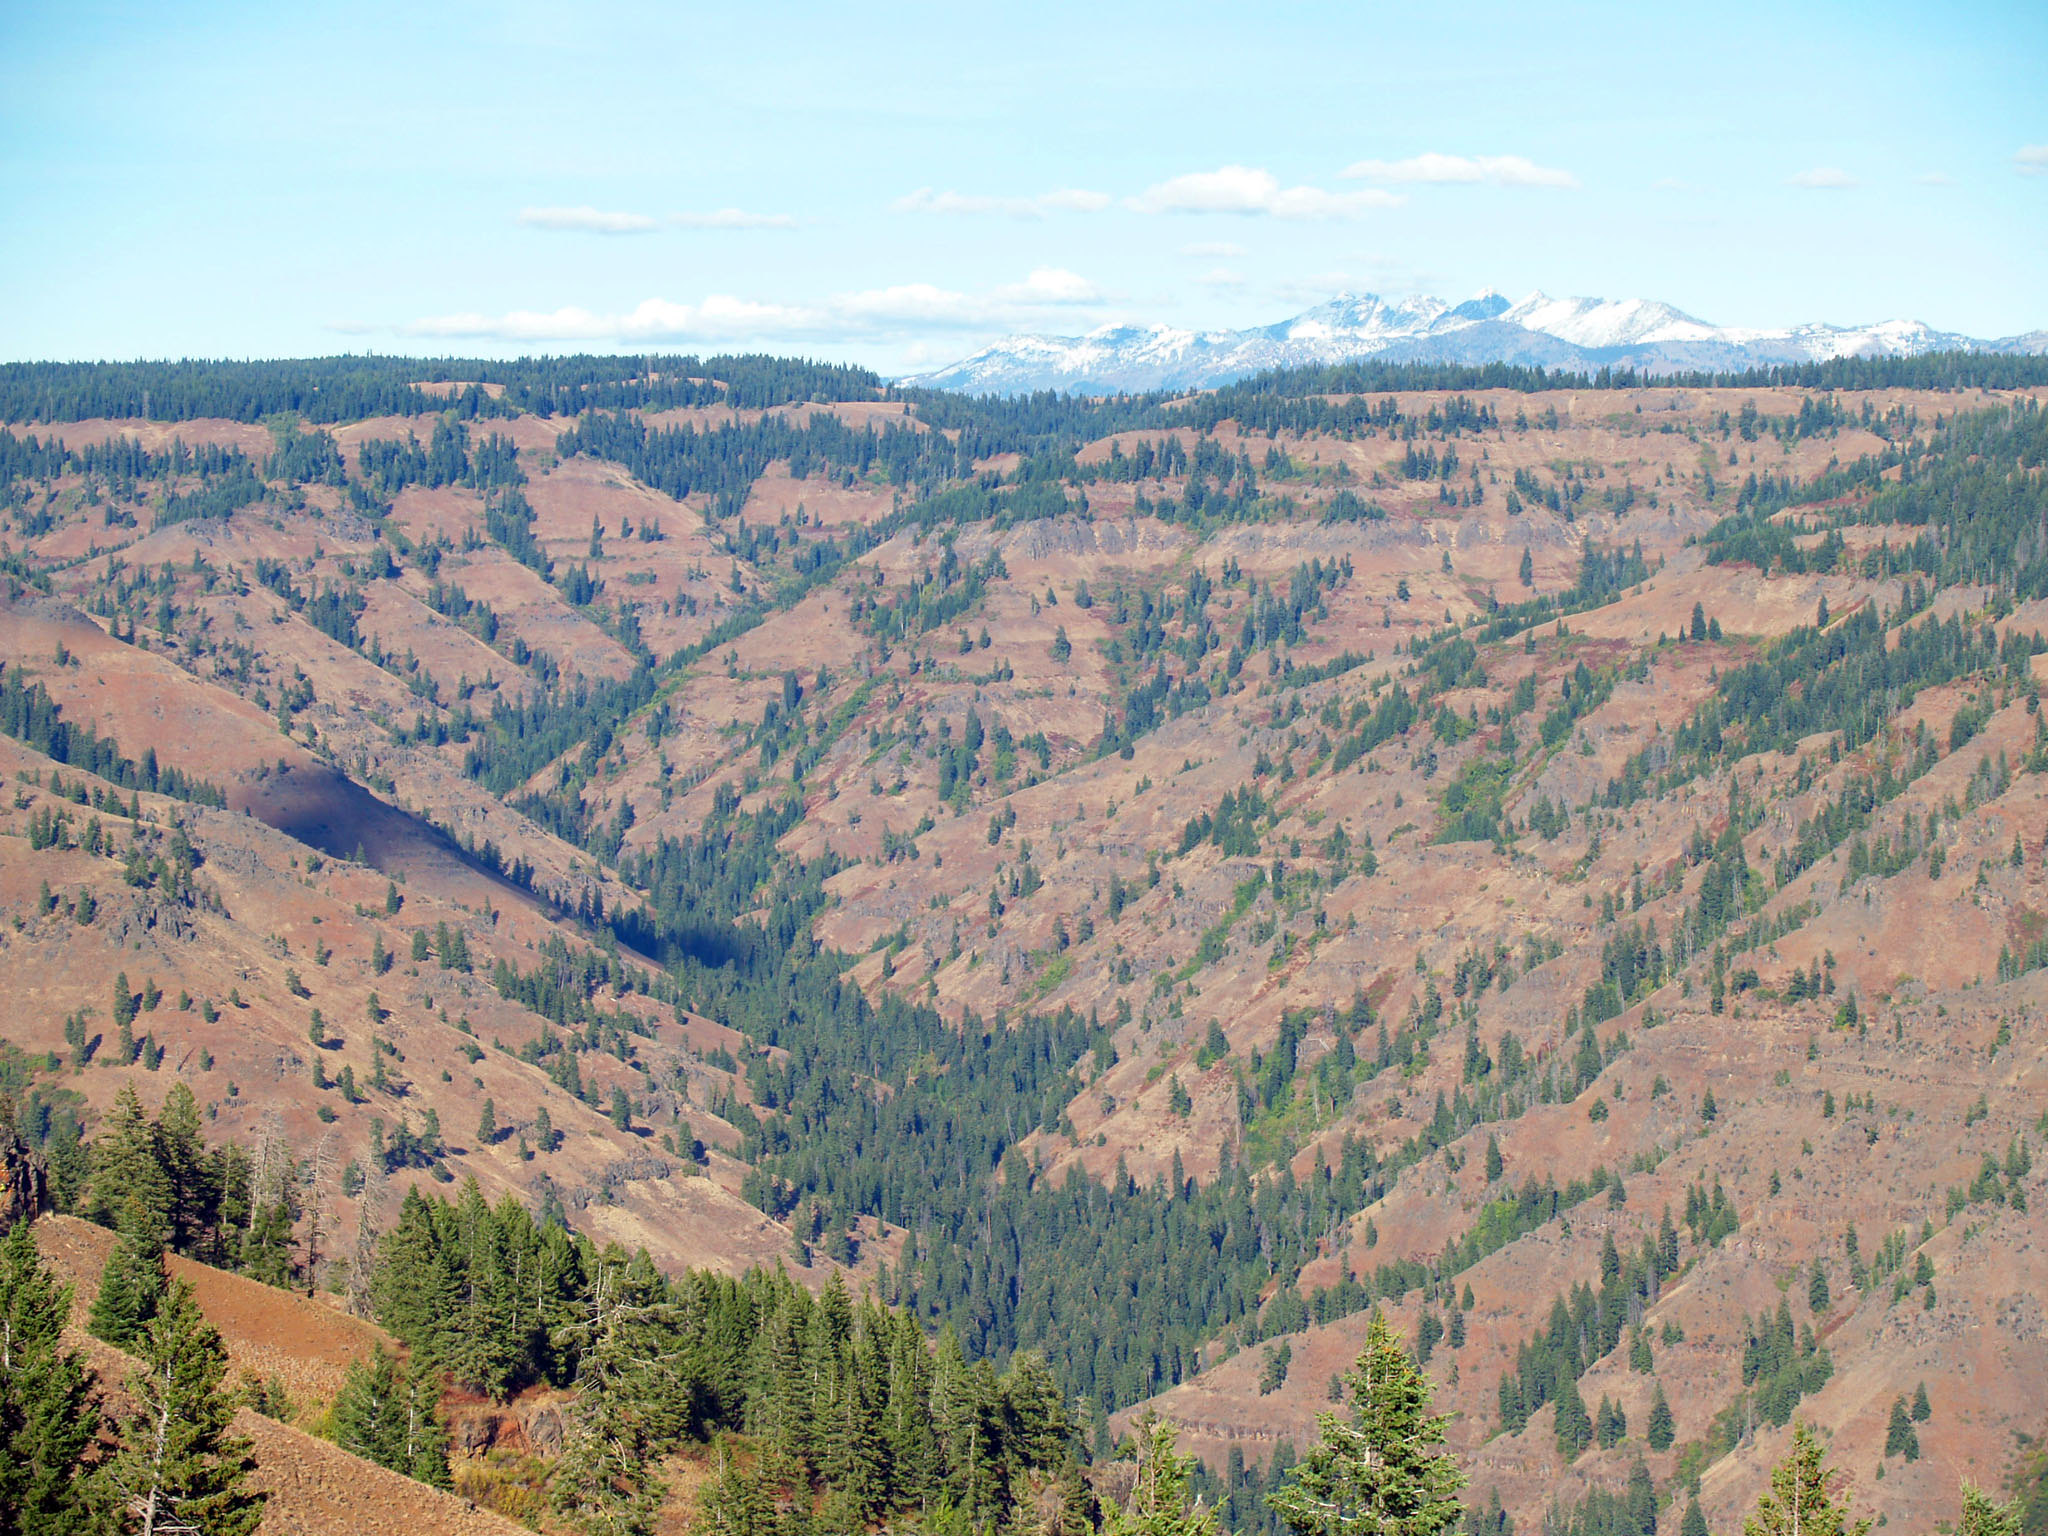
<point>1580,333</point>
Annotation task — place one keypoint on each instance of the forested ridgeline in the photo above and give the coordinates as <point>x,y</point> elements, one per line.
<point>331,390</point>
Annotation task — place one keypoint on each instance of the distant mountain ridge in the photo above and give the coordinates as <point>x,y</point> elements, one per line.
<point>1538,331</point>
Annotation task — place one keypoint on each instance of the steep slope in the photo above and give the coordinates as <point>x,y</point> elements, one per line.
<point>1139,882</point>
<point>315,1487</point>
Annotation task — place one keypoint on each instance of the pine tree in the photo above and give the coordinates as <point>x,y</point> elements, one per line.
<point>1800,1502</point>
<point>734,1503</point>
<point>1661,1429</point>
<point>605,1481</point>
<point>1641,1360</point>
<point>132,1281</point>
<point>49,1412</point>
<point>1574,1425</point>
<point>851,1453</point>
<point>1922,1409</point>
<point>1817,1296</point>
<point>411,1289</point>
<point>1610,1425</point>
<point>178,1463</point>
<point>124,1164</point>
<point>1641,1500</point>
<point>366,1407</point>
<point>1381,1472</point>
<point>487,1124</point>
<point>1695,1522</point>
<point>1158,1504</point>
<point>1495,1163</point>
<point>480,1344</point>
<point>1981,1517</point>
<point>1900,1438</point>
<point>387,1416</point>
<point>914,1455</point>
<point>180,1139</point>
<point>424,1455</point>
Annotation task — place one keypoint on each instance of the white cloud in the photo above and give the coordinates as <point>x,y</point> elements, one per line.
<point>1213,250</point>
<point>911,304</point>
<point>732,218</point>
<point>1051,285</point>
<point>1221,277</point>
<point>894,310</point>
<point>1436,169</point>
<point>1061,200</point>
<point>1244,189</point>
<point>719,315</point>
<point>2031,160</point>
<point>599,221</point>
<point>1670,184</point>
<point>1935,179</point>
<point>590,220</point>
<point>1822,178</point>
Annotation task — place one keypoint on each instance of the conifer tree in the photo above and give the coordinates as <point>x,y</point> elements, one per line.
<point>604,1480</point>
<point>125,1163</point>
<point>914,1453</point>
<point>178,1464</point>
<point>1801,1501</point>
<point>734,1503</point>
<point>959,1414</point>
<point>851,1453</point>
<point>1900,1438</point>
<point>49,1412</point>
<point>1158,1504</point>
<point>411,1289</point>
<point>1574,1424</point>
<point>480,1344</point>
<point>180,1141</point>
<point>1381,1470</point>
<point>1981,1517</point>
<point>366,1406</point>
<point>1661,1429</point>
<point>131,1282</point>
<point>387,1416</point>
<point>1695,1521</point>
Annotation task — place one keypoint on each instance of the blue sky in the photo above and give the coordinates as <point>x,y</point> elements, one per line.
<point>900,183</point>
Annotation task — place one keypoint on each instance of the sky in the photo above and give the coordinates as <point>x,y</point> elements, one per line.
<point>900,184</point>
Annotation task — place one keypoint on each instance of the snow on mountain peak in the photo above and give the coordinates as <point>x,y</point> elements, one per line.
<point>1577,333</point>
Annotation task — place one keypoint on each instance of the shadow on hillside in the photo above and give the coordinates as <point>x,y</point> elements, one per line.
<point>329,811</point>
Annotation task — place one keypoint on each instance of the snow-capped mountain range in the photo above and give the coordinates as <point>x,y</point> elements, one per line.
<point>1541,331</point>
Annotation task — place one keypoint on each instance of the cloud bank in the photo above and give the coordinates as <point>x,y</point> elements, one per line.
<point>588,220</point>
<point>1061,200</point>
<point>1246,190</point>
<point>720,317</point>
<point>1441,170</point>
